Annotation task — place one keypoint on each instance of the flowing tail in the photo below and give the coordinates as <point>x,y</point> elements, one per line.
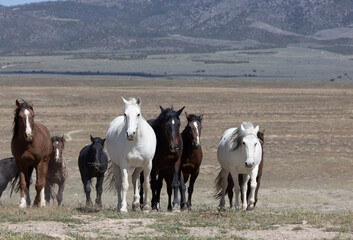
<point>217,190</point>
<point>109,178</point>
<point>15,184</point>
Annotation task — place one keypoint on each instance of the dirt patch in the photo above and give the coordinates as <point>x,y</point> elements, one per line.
<point>90,228</point>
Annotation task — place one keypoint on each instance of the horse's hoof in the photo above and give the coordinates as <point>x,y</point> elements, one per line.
<point>221,208</point>
<point>122,210</point>
<point>250,208</point>
<point>244,206</point>
<point>146,208</point>
<point>136,206</point>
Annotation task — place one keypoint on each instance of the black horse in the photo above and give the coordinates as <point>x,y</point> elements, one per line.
<point>93,162</point>
<point>166,163</point>
<point>8,172</point>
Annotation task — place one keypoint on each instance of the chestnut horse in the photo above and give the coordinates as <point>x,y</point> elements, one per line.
<point>167,159</point>
<point>192,154</point>
<point>57,171</point>
<point>31,147</point>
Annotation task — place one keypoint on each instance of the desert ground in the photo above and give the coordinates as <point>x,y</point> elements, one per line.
<point>306,188</point>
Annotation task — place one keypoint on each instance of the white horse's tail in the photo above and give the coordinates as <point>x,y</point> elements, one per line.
<point>109,178</point>
<point>217,190</point>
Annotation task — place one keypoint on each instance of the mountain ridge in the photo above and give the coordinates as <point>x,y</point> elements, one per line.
<point>83,24</point>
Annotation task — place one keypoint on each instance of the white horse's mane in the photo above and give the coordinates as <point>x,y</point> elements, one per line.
<point>132,101</point>
<point>238,134</point>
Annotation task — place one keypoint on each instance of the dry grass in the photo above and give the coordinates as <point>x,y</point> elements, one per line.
<point>308,139</point>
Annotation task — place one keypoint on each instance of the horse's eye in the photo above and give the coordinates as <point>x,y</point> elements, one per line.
<point>124,114</point>
<point>243,143</point>
<point>139,115</point>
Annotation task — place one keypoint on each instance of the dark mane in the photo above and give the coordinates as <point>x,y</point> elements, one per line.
<point>59,139</point>
<point>16,116</point>
<point>165,116</point>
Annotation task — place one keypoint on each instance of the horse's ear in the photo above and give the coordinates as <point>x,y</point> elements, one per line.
<point>257,128</point>
<point>187,115</point>
<point>200,117</point>
<point>63,137</point>
<point>242,128</point>
<point>31,104</point>
<point>18,104</point>
<point>91,138</point>
<point>162,109</point>
<point>124,100</point>
<point>180,111</point>
<point>103,142</point>
<point>139,101</point>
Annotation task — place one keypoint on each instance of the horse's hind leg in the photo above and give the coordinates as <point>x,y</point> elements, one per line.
<point>136,201</point>
<point>99,189</point>
<point>142,180</point>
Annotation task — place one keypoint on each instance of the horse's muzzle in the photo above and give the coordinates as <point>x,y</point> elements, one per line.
<point>28,138</point>
<point>174,148</point>
<point>196,145</point>
<point>130,137</point>
<point>249,165</point>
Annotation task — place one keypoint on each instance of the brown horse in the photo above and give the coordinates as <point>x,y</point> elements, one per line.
<point>229,190</point>
<point>192,154</point>
<point>167,159</point>
<point>31,147</point>
<point>57,171</point>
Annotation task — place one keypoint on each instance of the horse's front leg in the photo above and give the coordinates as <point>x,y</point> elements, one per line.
<point>135,177</point>
<point>236,188</point>
<point>41,170</point>
<point>146,173</point>
<point>59,196</point>
<point>253,185</point>
<point>244,189</point>
<point>125,187</point>
<point>99,189</point>
<point>87,188</point>
<point>24,189</point>
<point>182,188</point>
<point>117,181</point>
<point>191,186</point>
<point>175,185</point>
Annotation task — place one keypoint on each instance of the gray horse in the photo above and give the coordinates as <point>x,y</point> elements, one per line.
<point>8,172</point>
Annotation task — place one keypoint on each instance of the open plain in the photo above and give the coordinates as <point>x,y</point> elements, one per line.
<point>306,188</point>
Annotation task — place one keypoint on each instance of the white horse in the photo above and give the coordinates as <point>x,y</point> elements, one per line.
<point>239,152</point>
<point>131,143</point>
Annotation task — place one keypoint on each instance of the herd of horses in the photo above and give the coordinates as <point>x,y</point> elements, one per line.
<point>153,150</point>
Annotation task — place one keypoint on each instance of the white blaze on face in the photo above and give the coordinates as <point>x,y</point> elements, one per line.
<point>197,132</point>
<point>173,122</point>
<point>57,154</point>
<point>28,126</point>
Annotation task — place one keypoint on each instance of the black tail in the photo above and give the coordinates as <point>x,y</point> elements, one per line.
<point>15,184</point>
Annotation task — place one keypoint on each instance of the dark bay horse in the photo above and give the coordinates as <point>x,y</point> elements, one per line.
<point>167,159</point>
<point>191,157</point>
<point>8,172</point>
<point>57,171</point>
<point>31,147</point>
<point>229,190</point>
<point>93,162</point>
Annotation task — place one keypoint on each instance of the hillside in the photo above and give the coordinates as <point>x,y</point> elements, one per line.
<point>110,24</point>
